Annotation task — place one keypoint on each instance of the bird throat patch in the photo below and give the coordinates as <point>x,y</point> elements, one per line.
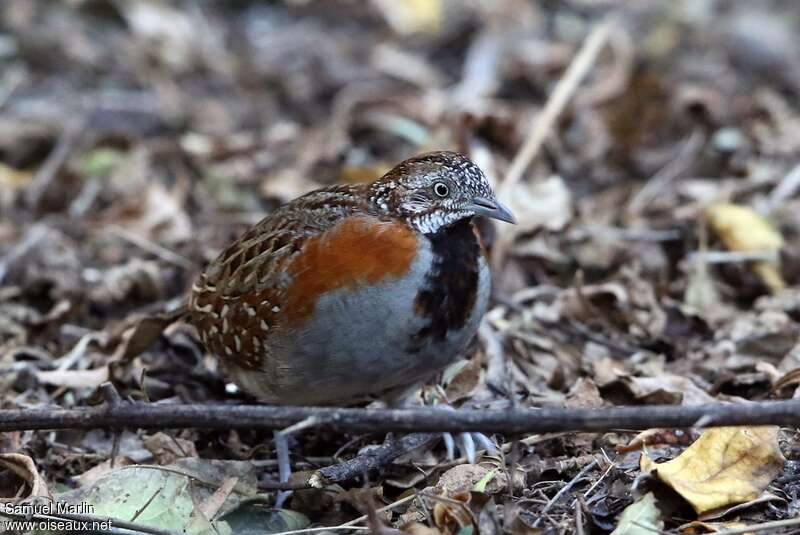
<point>451,287</point>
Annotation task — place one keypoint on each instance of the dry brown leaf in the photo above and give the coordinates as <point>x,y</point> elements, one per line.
<point>99,471</point>
<point>517,523</point>
<point>74,378</point>
<point>697,527</point>
<point>463,478</point>
<point>167,449</point>
<point>790,378</point>
<point>584,394</point>
<point>661,388</point>
<point>453,512</point>
<point>169,32</point>
<point>287,185</point>
<point>541,204</point>
<point>155,214</point>
<point>163,218</point>
<point>139,333</point>
<point>461,379</point>
<point>416,528</point>
<point>212,505</point>
<point>722,512</point>
<point>24,471</point>
<point>629,305</point>
<point>607,371</point>
<point>726,465</point>
<point>135,279</point>
<point>658,437</point>
<point>742,229</point>
<point>667,389</point>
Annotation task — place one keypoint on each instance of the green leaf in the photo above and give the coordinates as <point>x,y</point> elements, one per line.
<point>480,486</point>
<point>100,161</point>
<point>642,517</point>
<point>151,496</point>
<point>255,519</point>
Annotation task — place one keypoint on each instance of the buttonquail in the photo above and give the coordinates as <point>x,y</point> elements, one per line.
<point>353,292</point>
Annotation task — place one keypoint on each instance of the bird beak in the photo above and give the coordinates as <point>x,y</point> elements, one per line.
<point>492,208</point>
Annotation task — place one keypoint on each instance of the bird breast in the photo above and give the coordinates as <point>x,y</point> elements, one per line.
<point>361,341</point>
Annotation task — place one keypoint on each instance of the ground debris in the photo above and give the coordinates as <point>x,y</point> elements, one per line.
<point>655,260</point>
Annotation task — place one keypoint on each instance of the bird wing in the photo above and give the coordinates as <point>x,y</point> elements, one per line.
<point>244,289</point>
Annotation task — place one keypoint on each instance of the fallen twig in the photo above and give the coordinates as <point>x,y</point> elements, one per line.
<point>152,247</point>
<point>370,461</point>
<point>543,123</point>
<point>47,173</point>
<point>389,507</point>
<point>785,189</point>
<point>732,257</point>
<point>585,470</point>
<point>674,168</point>
<point>509,421</point>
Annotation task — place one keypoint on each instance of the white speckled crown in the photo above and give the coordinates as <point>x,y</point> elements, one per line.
<point>406,190</point>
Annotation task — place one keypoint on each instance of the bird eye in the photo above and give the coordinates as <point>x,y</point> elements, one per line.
<point>441,189</point>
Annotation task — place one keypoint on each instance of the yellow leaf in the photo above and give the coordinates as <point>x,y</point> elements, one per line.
<point>726,465</point>
<point>742,229</point>
<point>412,16</point>
<point>769,275</point>
<point>14,178</point>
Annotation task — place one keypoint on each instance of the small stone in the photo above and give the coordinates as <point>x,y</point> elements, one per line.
<point>727,140</point>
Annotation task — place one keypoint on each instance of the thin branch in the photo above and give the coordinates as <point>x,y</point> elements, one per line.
<point>626,234</point>
<point>370,461</point>
<point>733,257</point>
<point>152,247</point>
<point>351,524</point>
<point>566,488</point>
<point>389,507</point>
<point>47,174</point>
<point>674,168</point>
<point>11,81</point>
<point>509,421</point>
<point>563,91</point>
<point>785,189</point>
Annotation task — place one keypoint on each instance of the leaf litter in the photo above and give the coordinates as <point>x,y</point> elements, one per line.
<point>656,260</point>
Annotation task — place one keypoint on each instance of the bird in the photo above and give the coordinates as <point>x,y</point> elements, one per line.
<point>355,292</point>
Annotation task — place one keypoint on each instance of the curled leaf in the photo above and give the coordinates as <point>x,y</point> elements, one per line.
<point>21,469</point>
<point>726,465</point>
<point>742,229</point>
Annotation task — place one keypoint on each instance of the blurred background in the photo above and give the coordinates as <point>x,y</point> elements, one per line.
<point>656,259</point>
<point>182,121</point>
